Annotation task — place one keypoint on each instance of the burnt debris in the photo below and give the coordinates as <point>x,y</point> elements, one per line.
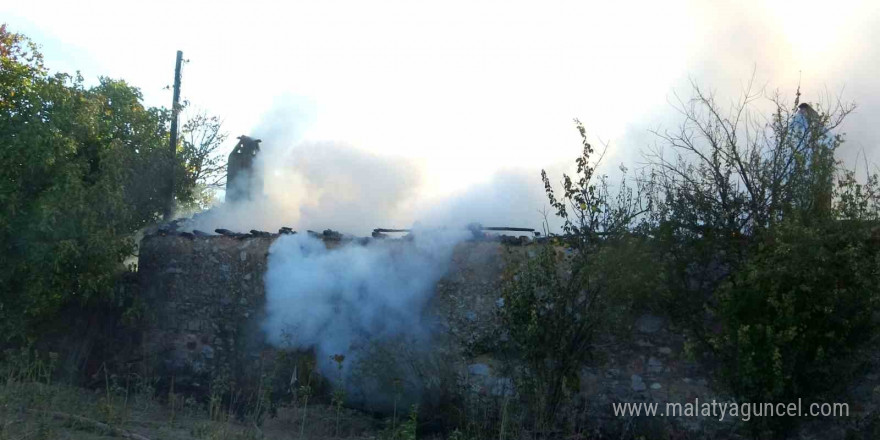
<point>332,235</point>
<point>228,233</point>
<point>479,233</point>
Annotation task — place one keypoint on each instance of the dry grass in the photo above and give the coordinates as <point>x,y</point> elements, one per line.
<point>35,410</point>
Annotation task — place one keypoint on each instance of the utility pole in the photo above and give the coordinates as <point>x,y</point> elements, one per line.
<point>175,109</point>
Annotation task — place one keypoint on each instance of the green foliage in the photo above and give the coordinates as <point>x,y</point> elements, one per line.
<point>562,298</point>
<point>27,365</point>
<point>798,316</point>
<point>550,322</point>
<point>557,309</point>
<point>31,406</point>
<point>409,428</point>
<point>741,236</point>
<point>84,169</point>
<point>771,268</point>
<point>63,206</point>
<point>406,430</point>
<point>338,398</point>
<point>588,208</point>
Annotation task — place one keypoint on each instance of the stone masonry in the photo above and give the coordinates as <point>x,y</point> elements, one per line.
<point>205,300</point>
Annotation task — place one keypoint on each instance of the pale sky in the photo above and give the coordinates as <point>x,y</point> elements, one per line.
<point>464,88</point>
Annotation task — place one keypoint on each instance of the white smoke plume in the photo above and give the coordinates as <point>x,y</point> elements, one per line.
<point>339,301</point>
<point>318,186</point>
<point>321,185</point>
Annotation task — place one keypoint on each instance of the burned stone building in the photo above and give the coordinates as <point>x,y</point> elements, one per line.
<point>206,300</point>
<point>206,297</point>
<point>206,303</point>
<point>242,183</point>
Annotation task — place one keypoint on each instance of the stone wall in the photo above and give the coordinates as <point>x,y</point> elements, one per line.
<point>205,302</point>
<point>205,298</point>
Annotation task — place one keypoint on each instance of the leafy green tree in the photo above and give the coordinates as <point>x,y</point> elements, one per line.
<point>139,137</point>
<point>84,168</point>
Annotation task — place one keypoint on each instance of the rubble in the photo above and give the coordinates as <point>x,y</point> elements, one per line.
<point>510,240</point>
<point>228,233</point>
<point>330,234</point>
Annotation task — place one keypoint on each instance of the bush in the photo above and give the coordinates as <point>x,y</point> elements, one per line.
<point>798,317</point>
<point>570,292</point>
<point>770,267</point>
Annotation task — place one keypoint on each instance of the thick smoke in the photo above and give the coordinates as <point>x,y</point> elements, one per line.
<point>342,300</point>
<point>780,46</point>
<point>320,185</point>
<point>512,197</point>
<point>316,185</point>
<point>346,300</point>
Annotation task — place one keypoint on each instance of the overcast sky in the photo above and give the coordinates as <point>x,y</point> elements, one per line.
<point>464,88</point>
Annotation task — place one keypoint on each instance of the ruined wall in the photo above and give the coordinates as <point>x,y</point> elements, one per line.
<point>205,298</point>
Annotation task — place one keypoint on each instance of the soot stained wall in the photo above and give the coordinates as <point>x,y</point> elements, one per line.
<point>205,298</point>
<point>205,302</point>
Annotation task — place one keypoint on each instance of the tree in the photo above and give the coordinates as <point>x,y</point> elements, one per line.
<point>737,173</point>
<point>82,173</point>
<point>205,170</point>
<point>771,267</point>
<point>139,136</point>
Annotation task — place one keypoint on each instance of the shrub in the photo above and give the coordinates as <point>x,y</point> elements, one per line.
<point>567,293</point>
<point>798,316</point>
<point>770,267</point>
